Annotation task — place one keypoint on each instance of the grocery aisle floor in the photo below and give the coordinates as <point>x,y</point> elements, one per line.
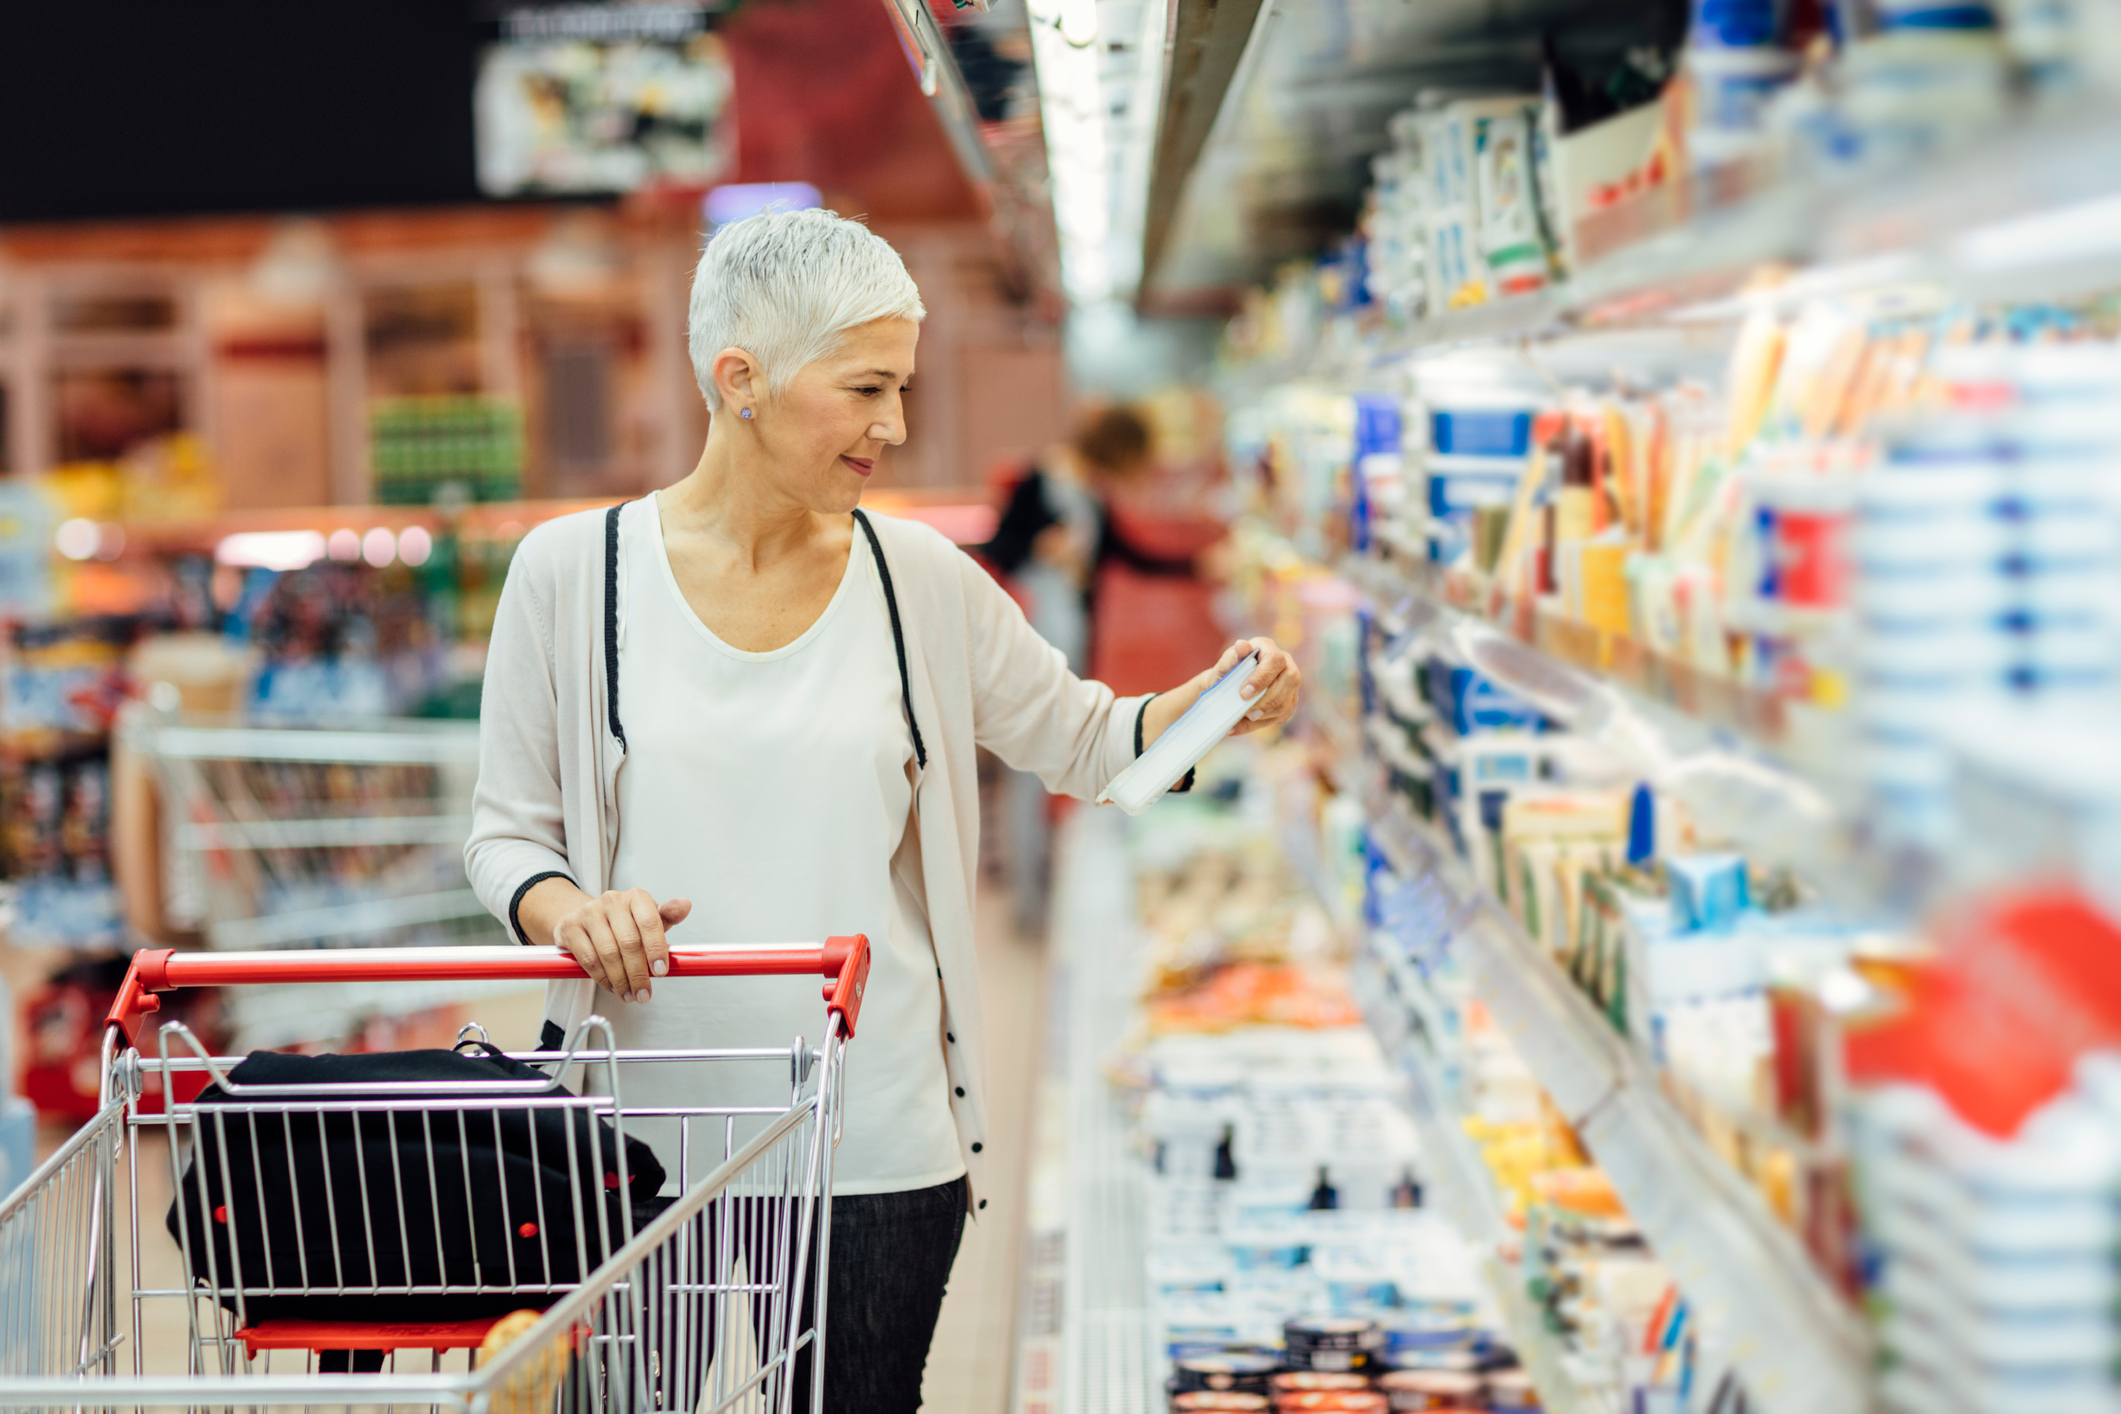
<point>975,1341</point>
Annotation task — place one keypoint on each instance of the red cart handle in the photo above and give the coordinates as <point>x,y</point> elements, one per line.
<point>844,960</point>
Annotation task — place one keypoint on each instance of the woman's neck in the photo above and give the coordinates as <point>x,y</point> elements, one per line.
<point>731,499</point>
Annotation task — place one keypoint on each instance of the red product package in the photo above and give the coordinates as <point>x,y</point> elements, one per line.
<point>2022,987</point>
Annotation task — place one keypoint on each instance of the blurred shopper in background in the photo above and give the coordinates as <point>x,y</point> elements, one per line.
<point>1057,531</point>
<point>746,690</point>
<point>1055,535</point>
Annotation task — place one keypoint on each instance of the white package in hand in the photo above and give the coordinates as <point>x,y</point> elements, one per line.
<point>1183,743</point>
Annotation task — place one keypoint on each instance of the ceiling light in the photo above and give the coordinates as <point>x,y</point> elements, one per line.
<point>1072,106</point>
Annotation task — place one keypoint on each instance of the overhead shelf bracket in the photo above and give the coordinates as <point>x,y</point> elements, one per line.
<point>1209,42</point>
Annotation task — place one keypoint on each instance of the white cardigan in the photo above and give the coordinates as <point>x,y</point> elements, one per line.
<point>552,742</point>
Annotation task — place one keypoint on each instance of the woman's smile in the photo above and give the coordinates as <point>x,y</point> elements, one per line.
<point>862,466</point>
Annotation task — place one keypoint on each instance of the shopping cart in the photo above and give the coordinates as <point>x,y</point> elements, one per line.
<point>713,1303</point>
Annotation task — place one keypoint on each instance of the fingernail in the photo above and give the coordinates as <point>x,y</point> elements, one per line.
<point>1254,715</point>
<point>659,967</point>
<point>1248,692</point>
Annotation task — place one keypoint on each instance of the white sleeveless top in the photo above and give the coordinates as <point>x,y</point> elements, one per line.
<point>774,791</point>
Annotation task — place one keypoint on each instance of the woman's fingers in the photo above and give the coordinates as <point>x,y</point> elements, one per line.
<point>610,965</point>
<point>622,940</point>
<point>1272,662</point>
<point>571,935</point>
<point>633,960</point>
<point>1272,688</point>
<point>648,921</point>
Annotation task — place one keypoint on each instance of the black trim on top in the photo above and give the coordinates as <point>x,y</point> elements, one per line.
<point>1185,782</point>
<point>611,622</point>
<point>898,638</point>
<point>516,903</point>
<point>611,633</point>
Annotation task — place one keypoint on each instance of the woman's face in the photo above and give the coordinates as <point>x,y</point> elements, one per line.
<point>825,431</point>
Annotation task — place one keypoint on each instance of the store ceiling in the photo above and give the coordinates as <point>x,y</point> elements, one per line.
<point>1282,170</point>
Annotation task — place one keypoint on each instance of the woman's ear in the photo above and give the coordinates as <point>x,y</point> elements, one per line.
<point>739,379</point>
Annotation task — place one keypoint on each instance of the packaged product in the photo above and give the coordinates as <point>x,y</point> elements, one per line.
<point>1432,1390</point>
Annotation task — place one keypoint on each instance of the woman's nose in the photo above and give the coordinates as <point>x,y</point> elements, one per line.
<point>891,428</point>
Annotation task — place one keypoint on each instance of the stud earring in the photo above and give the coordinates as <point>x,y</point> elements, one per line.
<point>745,414</point>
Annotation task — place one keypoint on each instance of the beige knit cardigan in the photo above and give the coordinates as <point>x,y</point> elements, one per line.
<point>552,742</point>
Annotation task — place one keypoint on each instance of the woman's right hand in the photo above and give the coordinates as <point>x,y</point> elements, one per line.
<point>619,939</point>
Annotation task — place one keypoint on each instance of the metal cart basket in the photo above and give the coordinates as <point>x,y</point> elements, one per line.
<point>321,1273</point>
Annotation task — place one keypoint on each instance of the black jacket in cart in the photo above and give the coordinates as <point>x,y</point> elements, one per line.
<point>455,1205</point>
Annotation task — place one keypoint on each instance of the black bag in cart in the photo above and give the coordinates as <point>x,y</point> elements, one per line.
<point>287,1197</point>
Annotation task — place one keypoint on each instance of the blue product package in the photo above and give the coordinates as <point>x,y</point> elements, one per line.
<point>1377,424</point>
<point>1475,704</point>
<point>1737,24</point>
<point>1480,432</point>
<point>1642,826</point>
<point>1708,891</point>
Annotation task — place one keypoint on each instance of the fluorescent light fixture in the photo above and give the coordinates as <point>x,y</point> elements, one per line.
<point>271,549</point>
<point>737,200</point>
<point>1072,105</point>
<point>1135,139</point>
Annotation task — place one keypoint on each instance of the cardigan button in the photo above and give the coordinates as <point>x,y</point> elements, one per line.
<point>983,1203</point>
<point>961,1092</point>
<point>950,1038</point>
<point>975,1148</point>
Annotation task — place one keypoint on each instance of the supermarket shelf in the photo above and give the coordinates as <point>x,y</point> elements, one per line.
<point>1773,775</point>
<point>1801,1348</point>
<point>1563,665</point>
<point>2014,214</point>
<point>1458,1179</point>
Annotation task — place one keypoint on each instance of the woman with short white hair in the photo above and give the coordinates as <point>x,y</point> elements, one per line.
<point>744,690</point>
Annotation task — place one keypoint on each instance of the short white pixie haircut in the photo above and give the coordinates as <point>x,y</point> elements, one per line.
<point>785,286</point>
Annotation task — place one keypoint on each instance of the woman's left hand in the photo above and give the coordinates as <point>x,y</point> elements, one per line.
<point>1272,689</point>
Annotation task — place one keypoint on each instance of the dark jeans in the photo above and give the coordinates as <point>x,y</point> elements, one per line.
<point>891,1257</point>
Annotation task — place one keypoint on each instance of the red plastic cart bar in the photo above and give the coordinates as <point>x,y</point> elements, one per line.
<point>843,960</point>
<point>364,1335</point>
